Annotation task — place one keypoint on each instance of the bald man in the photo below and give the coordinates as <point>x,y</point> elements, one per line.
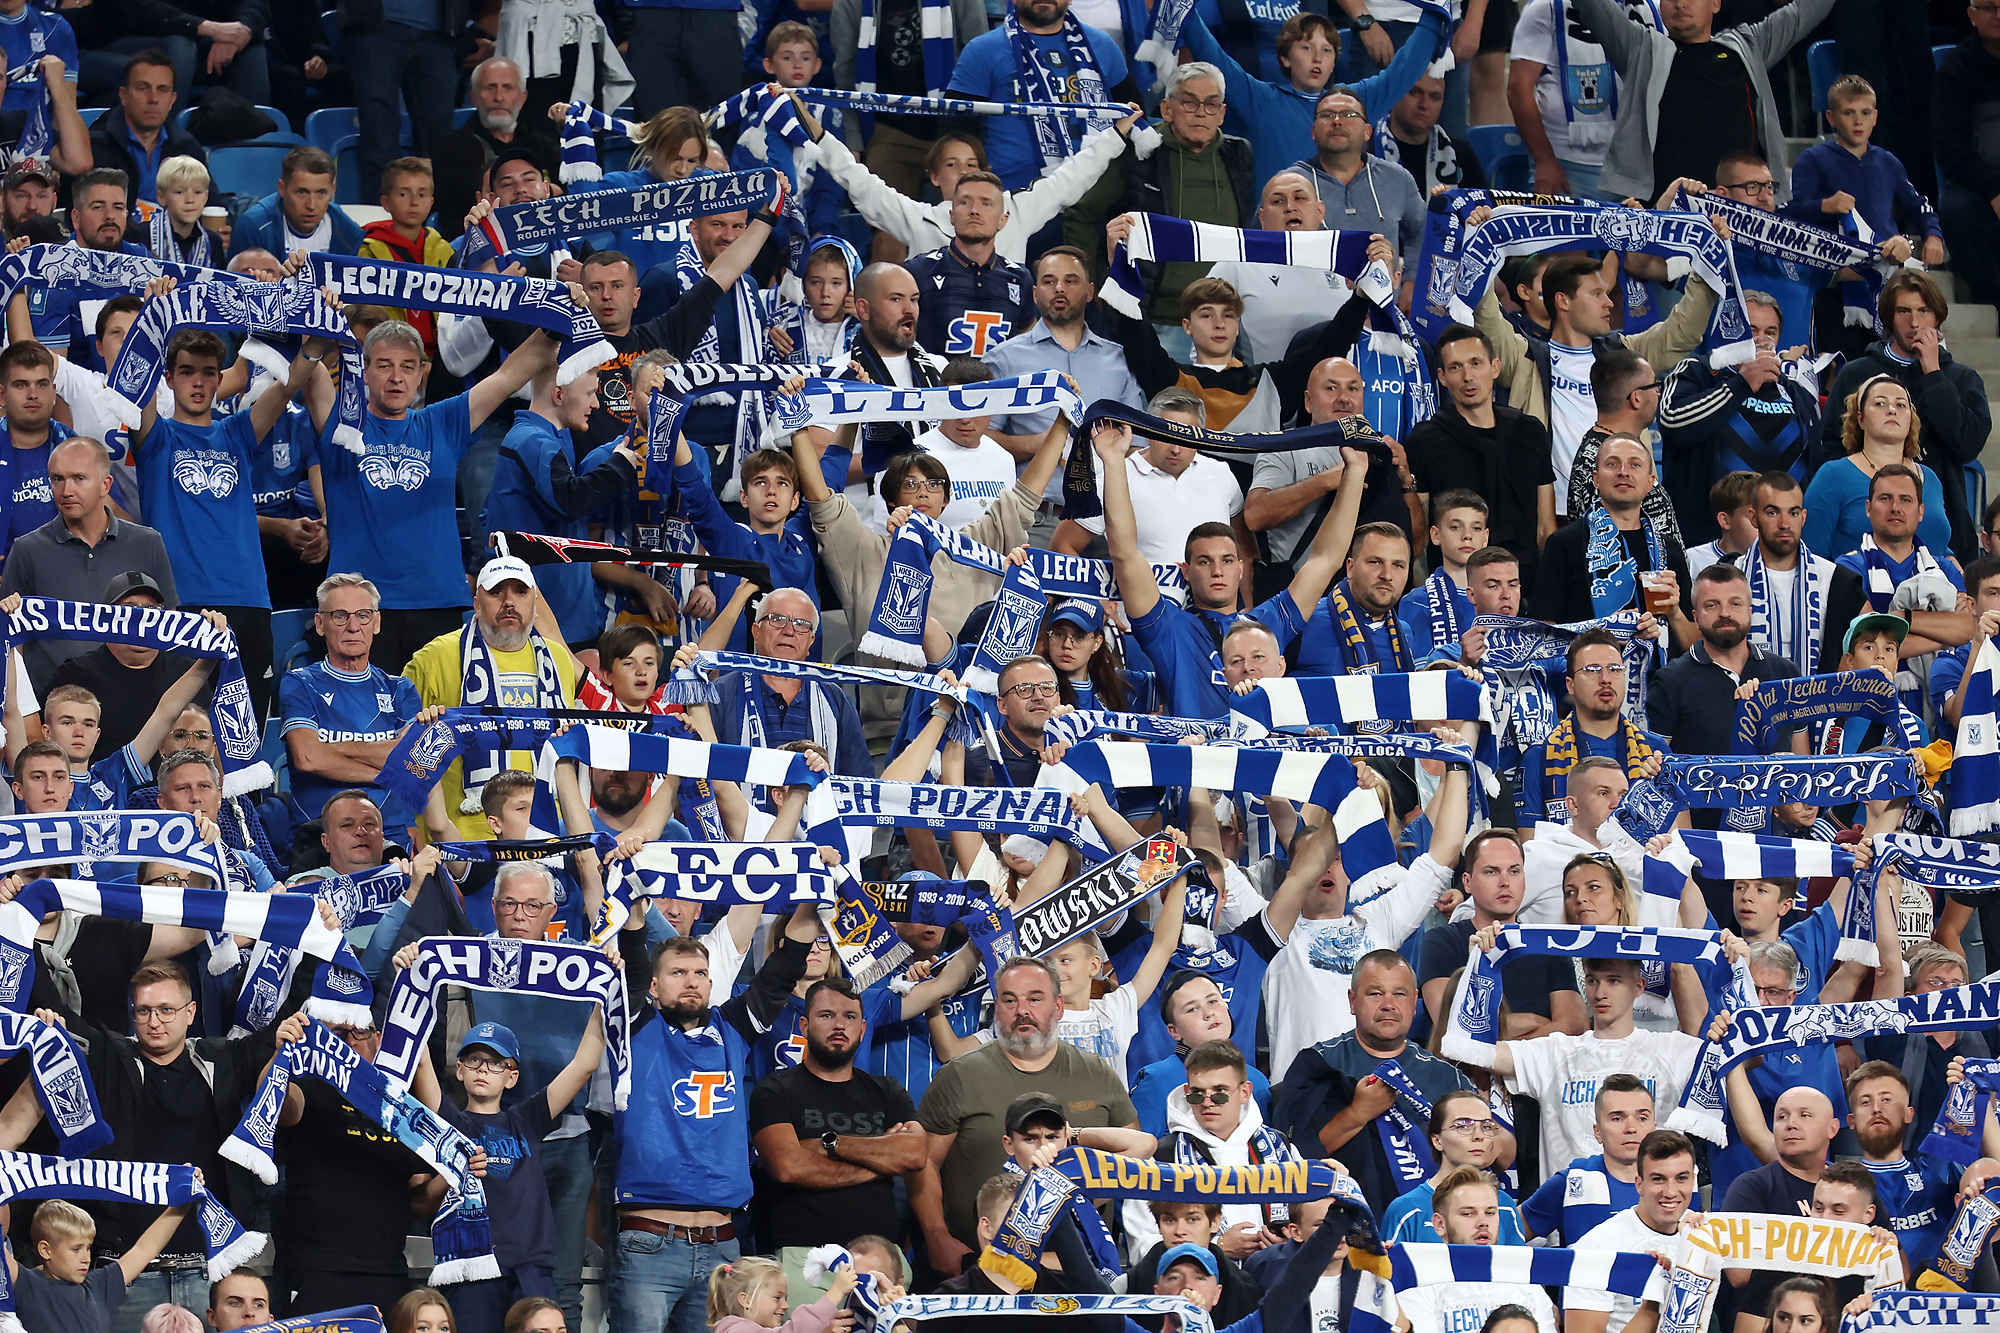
<point>1793,1147</point>
<point>1279,301</point>
<point>886,305</point>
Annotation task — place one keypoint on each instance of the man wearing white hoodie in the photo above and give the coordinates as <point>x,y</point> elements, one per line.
<point>1222,1127</point>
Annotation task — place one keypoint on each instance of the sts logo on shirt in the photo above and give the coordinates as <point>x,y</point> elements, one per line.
<point>705,1093</point>
<point>977,332</point>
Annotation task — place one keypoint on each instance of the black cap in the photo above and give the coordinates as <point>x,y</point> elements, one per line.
<point>511,152</point>
<point>1029,1105</point>
<point>131,581</point>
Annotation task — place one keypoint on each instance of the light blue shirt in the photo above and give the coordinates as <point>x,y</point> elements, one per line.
<point>1097,365</point>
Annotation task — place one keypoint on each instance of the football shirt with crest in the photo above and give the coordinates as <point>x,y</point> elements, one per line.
<point>194,487</point>
<point>1915,1199</point>
<point>339,707</point>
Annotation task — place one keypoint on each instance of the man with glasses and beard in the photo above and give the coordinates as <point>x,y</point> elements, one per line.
<point>963,1108</point>
<point>831,1139</point>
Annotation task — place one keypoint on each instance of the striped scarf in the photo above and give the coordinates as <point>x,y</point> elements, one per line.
<point>1559,756</point>
<point>1816,1245</point>
<point>1294,702</point>
<point>1441,596</point>
<point>161,239</point>
<point>1162,239</point>
<point>1360,645</point>
<point>480,688</point>
<point>1753,786</point>
<point>1975,756</point>
<point>1881,583</point>
<point>1810,576</point>
<point>62,1083</point>
<point>1079,81</point>
<point>940,51</point>
<point>582,123</point>
<point>1423,1265</point>
<point>1965,1244</point>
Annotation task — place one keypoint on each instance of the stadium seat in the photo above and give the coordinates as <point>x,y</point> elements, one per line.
<point>462,115</point>
<point>278,118</point>
<point>1938,53</point>
<point>1975,487</point>
<point>1503,156</point>
<point>91,113</point>
<point>250,171</point>
<point>326,127</point>
<point>1823,64</point>
<point>347,171</point>
<point>288,640</point>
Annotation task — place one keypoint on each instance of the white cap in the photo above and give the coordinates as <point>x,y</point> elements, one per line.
<point>503,567</point>
<point>1031,850</point>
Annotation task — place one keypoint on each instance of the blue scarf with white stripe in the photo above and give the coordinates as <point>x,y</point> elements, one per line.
<point>1975,754</point>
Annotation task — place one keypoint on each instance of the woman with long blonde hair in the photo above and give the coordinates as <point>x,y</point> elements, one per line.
<point>1879,430</point>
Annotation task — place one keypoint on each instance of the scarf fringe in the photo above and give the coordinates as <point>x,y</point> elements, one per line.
<point>478,1268</point>
<point>339,1013</point>
<point>237,1253</point>
<point>583,359</point>
<point>250,1157</point>
<point>895,650</point>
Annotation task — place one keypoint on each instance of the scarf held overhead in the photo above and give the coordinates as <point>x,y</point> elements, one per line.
<point>572,216</point>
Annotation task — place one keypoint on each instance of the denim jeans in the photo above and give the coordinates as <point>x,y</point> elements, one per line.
<point>566,1168</point>
<point>661,1285</point>
<point>187,1287</point>
<point>1457,85</point>
<point>392,59</point>
<point>684,57</point>
<point>103,69</point>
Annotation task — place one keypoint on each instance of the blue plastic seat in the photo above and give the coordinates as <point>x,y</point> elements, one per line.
<point>327,126</point>
<point>1503,156</point>
<point>347,171</point>
<point>1975,489</point>
<point>90,114</point>
<point>462,115</point>
<point>250,171</point>
<point>1938,53</point>
<point>1823,64</point>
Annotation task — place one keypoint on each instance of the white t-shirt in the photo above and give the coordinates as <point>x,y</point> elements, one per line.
<point>1563,1072</point>
<point>1325,1302</point>
<point>1167,508</point>
<point>1306,1004</point>
<point>1462,1307</point>
<point>1572,410</point>
<point>1581,132</point>
<point>321,238</point>
<point>1279,302</point>
<point>1624,1232</point>
<point>1779,611</point>
<point>979,475</point>
<point>1101,14</point>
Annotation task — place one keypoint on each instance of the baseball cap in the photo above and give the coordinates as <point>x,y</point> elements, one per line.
<point>500,1040</point>
<point>29,169</point>
<point>512,152</point>
<point>1031,1104</point>
<point>124,585</point>
<point>1086,616</point>
<point>1183,1253</point>
<point>503,567</point>
<point>1871,622</point>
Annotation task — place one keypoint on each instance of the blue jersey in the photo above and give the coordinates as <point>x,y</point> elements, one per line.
<point>394,504</point>
<point>784,1045</point>
<point>279,486</point>
<point>1415,614</point>
<point>986,69</point>
<point>1947,670</point>
<point>24,483</point>
<point>1186,649</point>
<point>902,1050</point>
<point>684,1136</point>
<point>194,485</point>
<point>1236,965</point>
<point>1914,1199</point>
<point>1409,1219</point>
<point>338,707</point>
<point>1574,1200</point>
<point>1814,940</point>
<point>110,782</point>
<point>26,38</point>
<point>788,552</point>
<point>969,309</point>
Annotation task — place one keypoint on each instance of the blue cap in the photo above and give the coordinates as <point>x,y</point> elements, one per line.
<point>494,1037</point>
<point>1198,1253</point>
<point>1087,616</point>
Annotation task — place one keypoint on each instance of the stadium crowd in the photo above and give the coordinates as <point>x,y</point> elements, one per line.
<point>676,665</point>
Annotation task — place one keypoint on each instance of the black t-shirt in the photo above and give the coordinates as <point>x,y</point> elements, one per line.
<point>177,1109</point>
<point>346,1206</point>
<point>677,331</point>
<point>1526,982</point>
<point>127,696</point>
<point>102,958</point>
<point>1506,464</point>
<point>865,1106</point>
<point>899,61</point>
<point>1768,1189</point>
<point>1707,111</point>
<point>517,1194</point>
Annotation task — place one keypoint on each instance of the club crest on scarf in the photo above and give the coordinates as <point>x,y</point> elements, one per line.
<point>903,600</point>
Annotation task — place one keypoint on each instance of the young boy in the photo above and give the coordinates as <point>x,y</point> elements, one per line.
<point>981,469</point>
<point>408,193</point>
<point>174,227</point>
<point>770,497</point>
<point>517,1195</point>
<point>70,718</point>
<point>821,323</point>
<point>792,60</point>
<point>1458,528</point>
<point>1851,175</point>
<point>1733,501</point>
<point>66,1292</point>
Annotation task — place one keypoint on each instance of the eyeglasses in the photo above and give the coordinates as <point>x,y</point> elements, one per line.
<point>489,1066</point>
<point>1600,670</point>
<point>1984,9</point>
<point>1214,1096</point>
<point>1755,187</point>
<point>1477,1129</point>
<point>519,906</point>
<point>789,622</point>
<point>1648,388</point>
<point>1210,106</point>
<point>343,617</point>
<point>183,734</point>
<point>930,484</point>
<point>1338,115</point>
<point>146,1013</point>
<point>1046,689</point>
<point>174,880</point>
<point>1776,992</point>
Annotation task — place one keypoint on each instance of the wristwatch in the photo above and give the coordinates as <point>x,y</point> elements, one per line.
<point>1364,22</point>
<point>831,1142</point>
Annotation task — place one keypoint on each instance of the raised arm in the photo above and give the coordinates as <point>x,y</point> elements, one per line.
<point>1111,441</point>
<point>176,699</point>
<point>589,1047</point>
<point>1329,549</point>
<point>1042,468</point>
<point>536,354</point>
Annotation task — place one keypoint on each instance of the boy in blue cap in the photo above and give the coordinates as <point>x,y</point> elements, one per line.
<point>517,1196</point>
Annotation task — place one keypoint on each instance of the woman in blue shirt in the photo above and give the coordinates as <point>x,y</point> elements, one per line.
<point>1879,428</point>
<point>1087,668</point>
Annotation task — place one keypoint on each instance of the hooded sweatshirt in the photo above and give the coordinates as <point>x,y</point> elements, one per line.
<point>1252,1141</point>
<point>381,240</point>
<point>814,1318</point>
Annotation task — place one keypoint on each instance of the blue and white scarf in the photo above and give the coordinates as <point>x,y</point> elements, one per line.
<point>1039,812</point>
<point>153,1184</point>
<point>1945,864</point>
<point>522,967</point>
<point>834,402</point>
<point>1962,1119</point>
<point>279,310</point>
<point>1513,644</point>
<point>1752,787</point>
<point>752,411</point>
<point>1975,755</point>
<point>480,688</point>
<point>1292,702</point>
<point>84,838</point>
<point>1810,577</point>
<point>1011,629</point>
<point>1406,1143</point>
<point>1966,1241</point>
<point>1322,779</point>
<point>690,685</point>
<point>1474,1035</point>
<point>1798,242</point>
<point>1441,594</point>
<point>1161,238</point>
<point>238,737</point>
<point>582,123</point>
<point>1720,854</point>
<point>863,917</point>
<point>540,302</point>
<point>613,749</point>
<point>341,992</point>
<point>903,596</point>
<point>1078,81</point>
<point>160,238</point>
<point>823,1261</point>
<point>419,759</point>
<point>1880,582</point>
<point>1759,1031</point>
<point>1614,575</point>
<point>62,1082</point>
<point>1559,22</point>
<point>1079,723</point>
<point>461,1236</point>
<point>38,133</point>
<point>348,1319</point>
<point>1778,705</point>
<point>1413,1265</point>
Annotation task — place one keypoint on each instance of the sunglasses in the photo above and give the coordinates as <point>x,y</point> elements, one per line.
<point>1214,1097</point>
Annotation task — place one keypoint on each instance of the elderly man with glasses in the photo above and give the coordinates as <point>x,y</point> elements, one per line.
<point>773,710</point>
<point>341,714</point>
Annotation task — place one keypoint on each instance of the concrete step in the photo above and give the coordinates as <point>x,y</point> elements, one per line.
<point>1970,321</point>
<point>1982,354</point>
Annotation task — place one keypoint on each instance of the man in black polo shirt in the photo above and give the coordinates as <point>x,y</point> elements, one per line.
<point>1692,700</point>
<point>128,681</point>
<point>831,1140</point>
<point>1794,1149</point>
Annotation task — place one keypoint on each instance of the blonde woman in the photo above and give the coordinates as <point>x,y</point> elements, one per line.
<point>1879,428</point>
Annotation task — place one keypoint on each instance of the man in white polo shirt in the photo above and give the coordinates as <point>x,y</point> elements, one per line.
<point>1174,491</point>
